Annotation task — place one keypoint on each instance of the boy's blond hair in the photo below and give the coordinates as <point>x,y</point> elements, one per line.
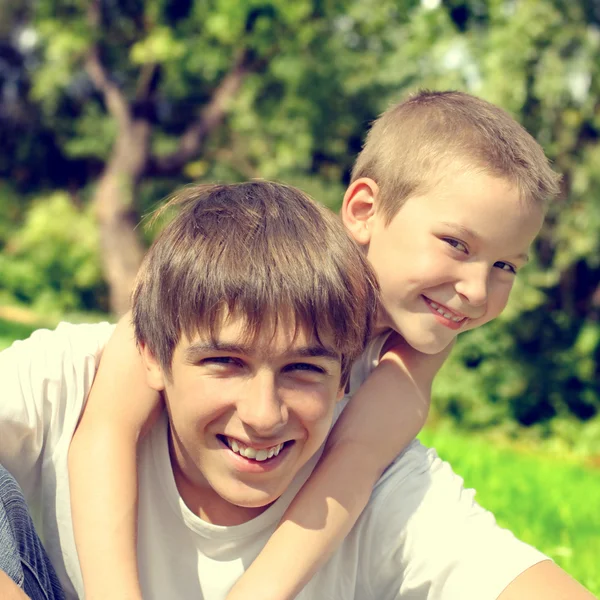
<point>413,144</point>
<point>263,252</point>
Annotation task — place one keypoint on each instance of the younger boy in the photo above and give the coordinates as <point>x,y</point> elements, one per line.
<point>446,198</point>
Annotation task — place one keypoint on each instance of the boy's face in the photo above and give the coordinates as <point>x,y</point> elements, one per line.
<point>447,261</point>
<point>271,399</point>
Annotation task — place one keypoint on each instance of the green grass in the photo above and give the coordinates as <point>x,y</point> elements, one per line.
<point>550,503</point>
<point>10,331</point>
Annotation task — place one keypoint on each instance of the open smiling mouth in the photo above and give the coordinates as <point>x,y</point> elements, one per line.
<point>252,454</point>
<point>453,319</point>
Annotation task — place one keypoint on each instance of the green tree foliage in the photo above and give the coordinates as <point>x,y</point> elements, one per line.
<point>116,103</point>
<point>51,261</point>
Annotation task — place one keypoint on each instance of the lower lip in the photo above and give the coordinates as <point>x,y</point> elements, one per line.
<point>247,465</point>
<point>442,319</point>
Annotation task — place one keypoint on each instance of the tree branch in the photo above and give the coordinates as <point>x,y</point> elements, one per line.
<point>115,100</point>
<point>210,117</point>
<point>147,81</point>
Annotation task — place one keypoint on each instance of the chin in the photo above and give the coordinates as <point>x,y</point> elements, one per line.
<point>252,499</point>
<point>431,346</point>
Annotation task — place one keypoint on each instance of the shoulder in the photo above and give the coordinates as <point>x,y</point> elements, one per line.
<point>368,360</point>
<point>45,380</point>
<point>52,355</point>
<point>429,539</point>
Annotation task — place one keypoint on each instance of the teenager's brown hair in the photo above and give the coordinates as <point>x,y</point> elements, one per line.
<point>412,145</point>
<point>262,251</point>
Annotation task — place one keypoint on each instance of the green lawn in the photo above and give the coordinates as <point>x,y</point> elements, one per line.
<point>550,503</point>
<point>10,331</point>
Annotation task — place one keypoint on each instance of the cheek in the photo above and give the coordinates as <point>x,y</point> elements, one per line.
<point>315,409</point>
<point>427,266</point>
<point>497,302</point>
<point>499,299</point>
<point>196,402</point>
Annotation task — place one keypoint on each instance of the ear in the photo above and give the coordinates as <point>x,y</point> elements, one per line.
<point>358,209</point>
<point>154,372</point>
<point>341,393</point>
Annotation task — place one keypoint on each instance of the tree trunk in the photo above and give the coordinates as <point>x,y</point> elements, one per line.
<point>117,213</point>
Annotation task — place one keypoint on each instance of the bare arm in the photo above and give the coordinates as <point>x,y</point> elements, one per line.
<point>103,471</point>
<point>545,581</point>
<point>386,413</point>
<point>9,590</point>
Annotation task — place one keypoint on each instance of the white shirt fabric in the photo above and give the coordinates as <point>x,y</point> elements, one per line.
<point>421,537</point>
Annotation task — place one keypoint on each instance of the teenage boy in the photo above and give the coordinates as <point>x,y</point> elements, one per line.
<point>252,329</point>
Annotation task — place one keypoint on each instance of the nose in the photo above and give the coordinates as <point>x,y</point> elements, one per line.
<point>473,284</point>
<point>261,408</point>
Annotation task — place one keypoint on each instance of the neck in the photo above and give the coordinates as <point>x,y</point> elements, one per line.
<point>210,507</point>
<point>382,322</point>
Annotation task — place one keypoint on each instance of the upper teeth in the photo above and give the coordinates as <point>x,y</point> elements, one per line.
<point>444,313</point>
<point>252,453</point>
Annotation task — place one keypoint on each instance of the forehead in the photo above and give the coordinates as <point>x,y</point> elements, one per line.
<point>273,337</point>
<point>483,206</point>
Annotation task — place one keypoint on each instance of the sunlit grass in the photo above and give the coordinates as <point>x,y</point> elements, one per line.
<point>26,322</point>
<point>10,331</point>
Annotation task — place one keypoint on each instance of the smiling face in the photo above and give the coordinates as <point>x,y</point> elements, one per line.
<point>245,416</point>
<point>448,259</point>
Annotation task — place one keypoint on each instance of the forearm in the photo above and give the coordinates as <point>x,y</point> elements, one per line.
<point>103,473</point>
<point>103,485</point>
<point>385,414</point>
<point>9,590</point>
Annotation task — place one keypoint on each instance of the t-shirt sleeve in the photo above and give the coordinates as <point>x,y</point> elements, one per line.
<point>430,540</point>
<point>45,381</point>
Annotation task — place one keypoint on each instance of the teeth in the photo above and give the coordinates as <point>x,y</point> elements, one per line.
<point>440,310</point>
<point>262,455</point>
<point>251,453</point>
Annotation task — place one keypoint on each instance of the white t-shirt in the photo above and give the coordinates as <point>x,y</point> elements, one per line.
<point>422,536</point>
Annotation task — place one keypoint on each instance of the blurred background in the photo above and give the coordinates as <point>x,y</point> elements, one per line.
<point>106,106</point>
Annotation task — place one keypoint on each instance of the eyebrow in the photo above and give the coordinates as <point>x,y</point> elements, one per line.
<point>466,232</point>
<point>198,348</point>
